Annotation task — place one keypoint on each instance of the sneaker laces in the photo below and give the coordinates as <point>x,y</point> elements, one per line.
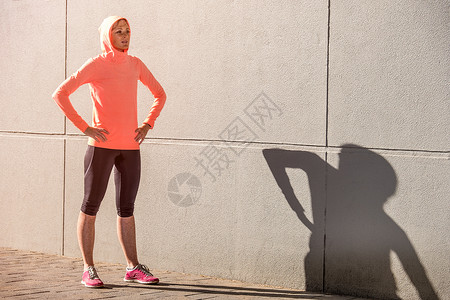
<point>92,273</point>
<point>144,269</point>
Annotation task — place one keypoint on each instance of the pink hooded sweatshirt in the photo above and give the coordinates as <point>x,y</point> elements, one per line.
<point>112,77</point>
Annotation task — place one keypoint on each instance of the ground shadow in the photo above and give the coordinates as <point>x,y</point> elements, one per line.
<point>348,202</point>
<point>216,290</point>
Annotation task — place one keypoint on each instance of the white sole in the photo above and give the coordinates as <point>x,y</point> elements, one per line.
<point>90,286</point>
<point>141,282</point>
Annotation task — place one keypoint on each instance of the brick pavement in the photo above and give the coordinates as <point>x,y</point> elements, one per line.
<point>20,269</point>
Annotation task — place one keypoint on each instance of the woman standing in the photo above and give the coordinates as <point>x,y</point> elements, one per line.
<point>114,140</point>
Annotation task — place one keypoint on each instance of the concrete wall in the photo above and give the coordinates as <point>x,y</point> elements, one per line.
<point>303,144</point>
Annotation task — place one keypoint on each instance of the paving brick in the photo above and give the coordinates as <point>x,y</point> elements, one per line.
<point>25,275</point>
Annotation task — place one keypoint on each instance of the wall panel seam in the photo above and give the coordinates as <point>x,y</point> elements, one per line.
<point>155,140</point>
<point>326,151</point>
<point>65,142</point>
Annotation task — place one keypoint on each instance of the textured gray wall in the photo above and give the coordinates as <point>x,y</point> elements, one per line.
<point>303,143</point>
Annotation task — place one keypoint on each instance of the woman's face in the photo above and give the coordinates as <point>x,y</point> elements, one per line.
<point>120,35</point>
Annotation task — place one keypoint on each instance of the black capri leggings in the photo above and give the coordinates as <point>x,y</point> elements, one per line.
<point>98,163</point>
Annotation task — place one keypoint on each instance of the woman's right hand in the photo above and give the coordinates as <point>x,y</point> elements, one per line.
<point>98,134</point>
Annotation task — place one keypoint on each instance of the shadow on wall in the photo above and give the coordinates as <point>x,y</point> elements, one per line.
<point>360,235</point>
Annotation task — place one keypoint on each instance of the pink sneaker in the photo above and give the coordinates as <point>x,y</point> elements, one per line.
<point>91,279</point>
<point>140,274</point>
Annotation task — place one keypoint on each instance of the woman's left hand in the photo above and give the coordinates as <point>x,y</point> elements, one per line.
<point>141,133</point>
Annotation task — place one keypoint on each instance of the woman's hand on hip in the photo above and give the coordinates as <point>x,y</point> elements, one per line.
<point>141,133</point>
<point>98,134</point>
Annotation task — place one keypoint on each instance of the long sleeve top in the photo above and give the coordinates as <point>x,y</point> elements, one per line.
<point>113,80</point>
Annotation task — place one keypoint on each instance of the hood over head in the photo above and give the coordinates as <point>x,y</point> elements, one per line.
<point>105,35</point>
